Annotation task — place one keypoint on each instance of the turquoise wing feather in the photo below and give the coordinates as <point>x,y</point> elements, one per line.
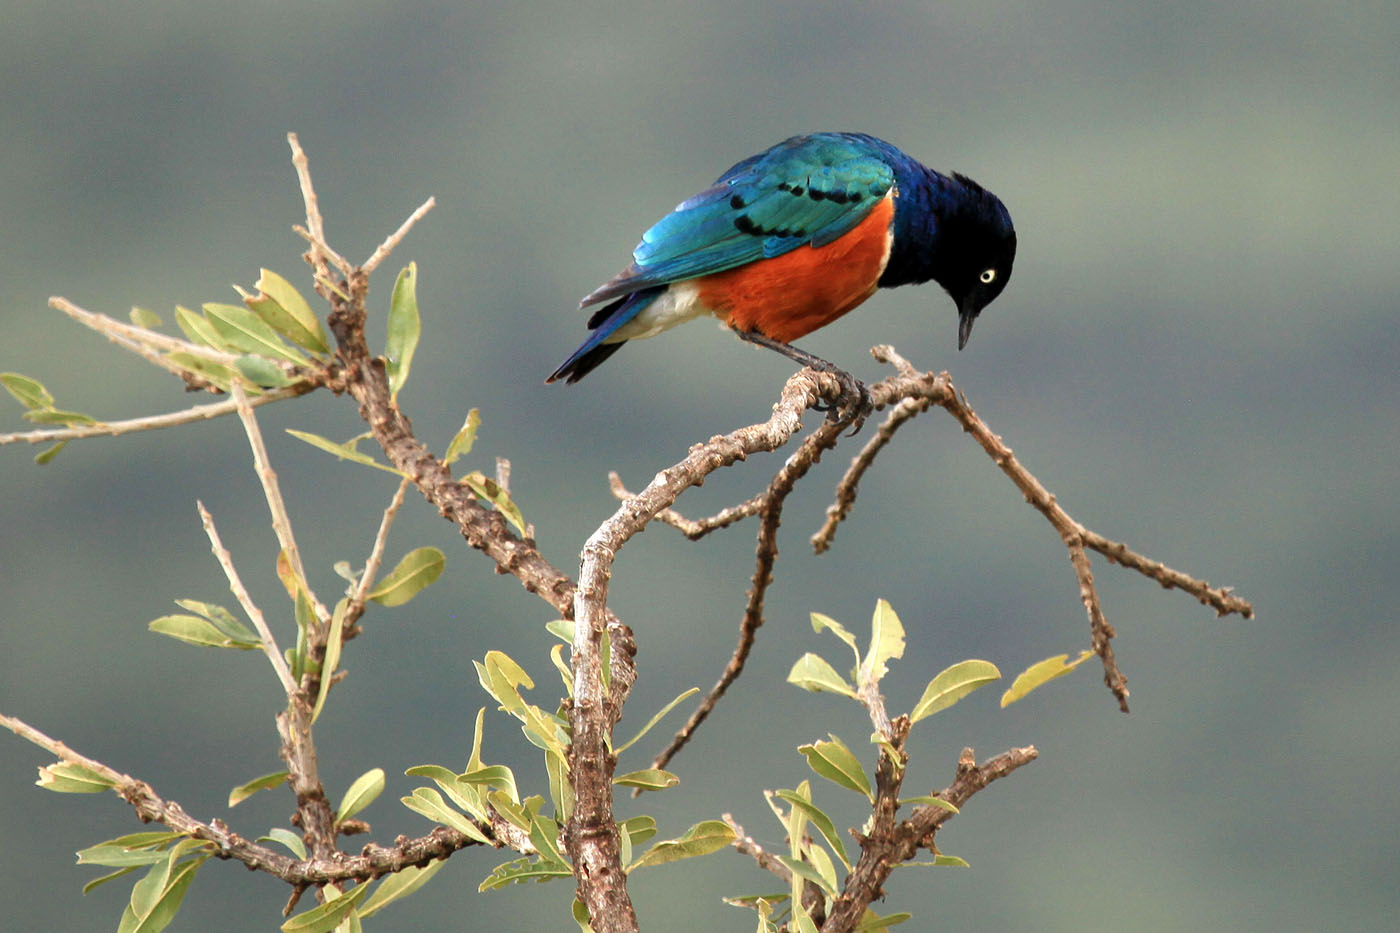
<point>808,189</point>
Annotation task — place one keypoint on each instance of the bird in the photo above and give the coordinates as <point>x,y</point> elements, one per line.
<point>790,239</point>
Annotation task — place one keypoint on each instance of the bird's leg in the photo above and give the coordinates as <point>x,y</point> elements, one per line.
<point>854,401</point>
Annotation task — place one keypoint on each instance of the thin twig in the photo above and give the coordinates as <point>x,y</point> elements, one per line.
<point>376,554</point>
<point>766,554</point>
<point>315,226</point>
<point>695,529</point>
<point>153,422</point>
<point>277,508</point>
<point>393,239</point>
<point>847,487</point>
<point>136,338</point>
<point>240,592</point>
<point>373,862</point>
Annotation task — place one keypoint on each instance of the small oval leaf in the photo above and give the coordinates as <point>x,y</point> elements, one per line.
<point>404,328</point>
<point>647,779</point>
<point>268,781</point>
<point>838,764</point>
<point>361,794</point>
<point>952,684</point>
<point>701,839</point>
<point>1041,673</point>
<point>812,672</point>
<point>418,569</point>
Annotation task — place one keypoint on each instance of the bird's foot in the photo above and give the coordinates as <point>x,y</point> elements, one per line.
<point>853,405</point>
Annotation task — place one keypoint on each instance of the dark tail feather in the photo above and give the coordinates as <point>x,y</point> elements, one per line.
<point>604,322</point>
<point>582,364</point>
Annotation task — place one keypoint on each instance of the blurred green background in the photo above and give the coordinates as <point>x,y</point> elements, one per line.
<point>1197,354</point>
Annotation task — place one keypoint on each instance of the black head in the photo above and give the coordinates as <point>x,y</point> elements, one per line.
<point>976,247</point>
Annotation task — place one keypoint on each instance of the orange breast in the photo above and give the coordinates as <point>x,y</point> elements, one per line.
<point>807,288</point>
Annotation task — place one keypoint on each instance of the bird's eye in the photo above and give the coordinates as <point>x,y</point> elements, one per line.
<point>988,276</point>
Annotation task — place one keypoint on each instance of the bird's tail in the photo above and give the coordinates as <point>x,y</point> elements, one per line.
<point>604,323</point>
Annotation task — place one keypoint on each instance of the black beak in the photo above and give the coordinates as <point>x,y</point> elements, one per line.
<point>967,314</point>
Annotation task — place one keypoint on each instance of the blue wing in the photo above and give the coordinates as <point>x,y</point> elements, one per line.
<point>808,189</point>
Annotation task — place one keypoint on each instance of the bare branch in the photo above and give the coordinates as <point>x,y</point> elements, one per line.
<point>393,239</point>
<point>320,252</point>
<point>889,844</point>
<point>154,422</point>
<point>240,592</point>
<point>905,411</point>
<point>276,507</point>
<point>376,555</point>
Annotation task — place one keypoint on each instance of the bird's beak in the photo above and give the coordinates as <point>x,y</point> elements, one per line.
<point>967,314</point>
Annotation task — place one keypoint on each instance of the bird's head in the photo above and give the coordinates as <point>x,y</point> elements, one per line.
<point>976,247</point>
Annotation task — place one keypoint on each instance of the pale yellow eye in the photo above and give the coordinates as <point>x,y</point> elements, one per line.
<point>988,276</point>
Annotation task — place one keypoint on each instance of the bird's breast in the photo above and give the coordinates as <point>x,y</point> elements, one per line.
<point>791,295</point>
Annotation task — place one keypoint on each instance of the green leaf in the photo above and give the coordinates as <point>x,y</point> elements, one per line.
<point>282,306</point>
<point>404,328</point>
<point>196,631</point>
<point>886,643</point>
<point>418,569</point>
<point>812,672</point>
<point>819,819</point>
<point>106,878</point>
<point>327,916</point>
<point>556,657</point>
<point>562,629</point>
<point>30,392</point>
<point>939,861</point>
<point>156,905</point>
<point>361,794</point>
<point>486,488</point>
<point>952,684</point>
<point>243,330</point>
<point>544,834</point>
<point>499,777</point>
<point>1041,673</point>
<point>638,828</point>
<point>145,840</point>
<point>655,719</point>
<point>474,761</point>
<point>47,456</point>
<point>427,802</point>
<point>580,911</point>
<point>118,856</point>
<point>822,622</point>
<point>647,779</point>
<point>524,869</point>
<point>287,838</point>
<point>268,781</point>
<point>701,839</point>
<point>342,451</point>
<point>65,777</point>
<point>398,886</point>
<point>871,922</point>
<point>261,371</point>
<point>835,762</point>
<point>809,872</point>
<point>143,317</point>
<point>503,678</point>
<point>561,790</point>
<point>222,619</point>
<point>197,328</point>
<point>803,920</point>
<point>462,444</point>
<point>334,640</point>
<point>216,374</point>
<point>929,801</point>
<point>58,416</point>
